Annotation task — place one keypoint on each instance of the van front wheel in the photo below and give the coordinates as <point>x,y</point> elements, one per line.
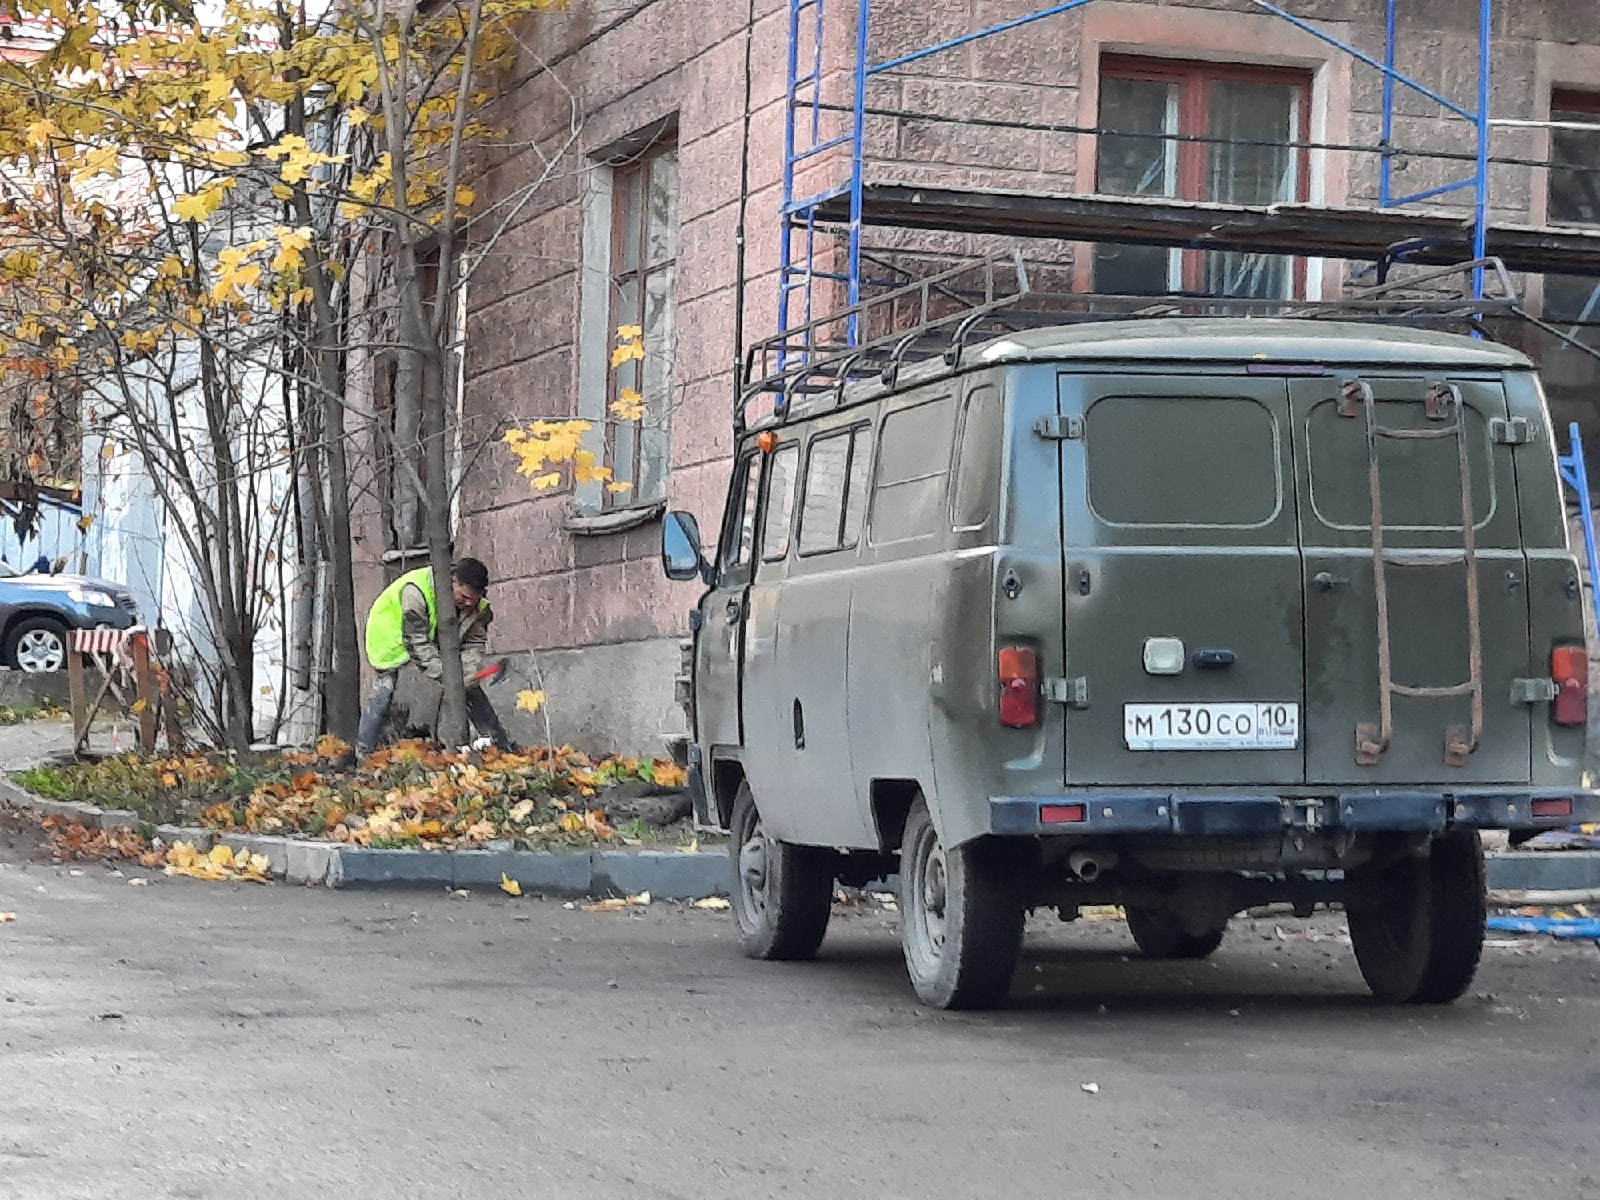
<point>782,894</point>
<point>1417,924</point>
<point>961,915</point>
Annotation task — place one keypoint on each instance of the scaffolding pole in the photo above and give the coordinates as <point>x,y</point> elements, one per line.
<point>804,142</point>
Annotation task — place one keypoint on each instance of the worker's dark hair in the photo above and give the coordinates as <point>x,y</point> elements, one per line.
<point>472,573</point>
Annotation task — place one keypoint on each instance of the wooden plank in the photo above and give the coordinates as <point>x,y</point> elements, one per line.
<point>79,691</point>
<point>1344,233</point>
<point>146,690</point>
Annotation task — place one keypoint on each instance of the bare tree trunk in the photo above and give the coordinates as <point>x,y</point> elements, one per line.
<point>342,687</point>
<point>452,730</point>
<point>341,690</point>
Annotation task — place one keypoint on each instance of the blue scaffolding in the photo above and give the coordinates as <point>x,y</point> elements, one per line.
<point>807,217</point>
<point>823,225</point>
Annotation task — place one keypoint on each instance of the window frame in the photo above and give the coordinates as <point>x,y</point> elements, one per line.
<point>856,434</point>
<point>624,170</point>
<point>941,471</point>
<point>760,556</point>
<point>731,569</point>
<point>982,390</point>
<point>1192,77</point>
<point>1568,100</point>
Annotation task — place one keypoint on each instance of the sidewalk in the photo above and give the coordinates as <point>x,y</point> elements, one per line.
<point>29,744</point>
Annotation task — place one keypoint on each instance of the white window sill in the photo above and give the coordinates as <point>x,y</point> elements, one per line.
<point>617,520</point>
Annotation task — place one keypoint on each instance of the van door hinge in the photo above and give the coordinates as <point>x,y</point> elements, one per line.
<point>1533,691</point>
<point>1059,429</point>
<point>1511,431</point>
<point>1074,693</point>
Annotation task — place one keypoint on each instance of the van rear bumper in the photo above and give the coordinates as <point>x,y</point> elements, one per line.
<point>1236,814</point>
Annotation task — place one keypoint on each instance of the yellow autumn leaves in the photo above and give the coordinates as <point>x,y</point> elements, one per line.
<point>221,863</point>
<point>542,448</point>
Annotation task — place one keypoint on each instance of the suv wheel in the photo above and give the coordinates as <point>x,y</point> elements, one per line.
<point>961,915</point>
<point>782,894</point>
<point>1417,925</point>
<point>1159,934</point>
<point>37,646</point>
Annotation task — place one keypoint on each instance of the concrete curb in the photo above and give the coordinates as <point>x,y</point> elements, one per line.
<point>1513,877</point>
<point>1545,871</point>
<point>665,874</point>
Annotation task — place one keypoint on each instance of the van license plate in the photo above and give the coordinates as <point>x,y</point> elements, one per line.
<point>1211,726</point>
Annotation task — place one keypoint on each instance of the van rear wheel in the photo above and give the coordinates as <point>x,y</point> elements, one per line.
<point>1417,924</point>
<point>782,894</point>
<point>961,916</point>
<point>1159,934</point>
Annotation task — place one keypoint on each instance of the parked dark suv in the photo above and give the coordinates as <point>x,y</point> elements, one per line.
<point>36,611</point>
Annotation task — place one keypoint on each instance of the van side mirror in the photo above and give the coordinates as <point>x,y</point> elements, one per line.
<point>681,556</point>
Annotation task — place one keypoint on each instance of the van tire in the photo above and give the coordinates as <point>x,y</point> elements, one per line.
<point>1159,934</point>
<point>961,917</point>
<point>1417,925</point>
<point>782,895</point>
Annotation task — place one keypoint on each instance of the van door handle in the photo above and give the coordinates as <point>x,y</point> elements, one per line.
<point>735,610</point>
<point>1324,582</point>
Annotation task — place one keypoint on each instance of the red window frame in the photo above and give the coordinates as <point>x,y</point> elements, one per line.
<point>1192,78</point>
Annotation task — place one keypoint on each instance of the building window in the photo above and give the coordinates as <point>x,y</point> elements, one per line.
<point>644,257</point>
<point>1574,200</point>
<point>1261,118</point>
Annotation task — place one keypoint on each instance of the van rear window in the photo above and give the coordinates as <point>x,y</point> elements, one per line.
<point>1183,461</point>
<point>1421,479</point>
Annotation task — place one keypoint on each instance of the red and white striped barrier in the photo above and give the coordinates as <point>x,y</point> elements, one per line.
<point>104,641</point>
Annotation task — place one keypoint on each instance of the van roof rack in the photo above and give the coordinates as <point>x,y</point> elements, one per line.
<point>980,299</point>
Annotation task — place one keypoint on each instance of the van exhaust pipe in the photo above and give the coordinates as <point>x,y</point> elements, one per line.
<point>1089,865</point>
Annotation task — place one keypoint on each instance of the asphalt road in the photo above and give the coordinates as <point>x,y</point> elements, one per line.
<point>187,1039</point>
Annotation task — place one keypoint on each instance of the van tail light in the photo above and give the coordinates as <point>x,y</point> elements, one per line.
<point>1019,687</point>
<point>1569,667</point>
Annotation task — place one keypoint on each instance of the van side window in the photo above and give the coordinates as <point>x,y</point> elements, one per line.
<point>913,465</point>
<point>775,525</point>
<point>977,480</point>
<point>836,491</point>
<point>739,537</point>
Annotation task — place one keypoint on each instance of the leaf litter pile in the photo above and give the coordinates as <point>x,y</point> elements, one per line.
<point>406,796</point>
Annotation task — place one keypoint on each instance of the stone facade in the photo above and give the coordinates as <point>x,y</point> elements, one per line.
<point>579,593</point>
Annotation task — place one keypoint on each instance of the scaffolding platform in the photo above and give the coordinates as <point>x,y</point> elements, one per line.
<point>1364,234</point>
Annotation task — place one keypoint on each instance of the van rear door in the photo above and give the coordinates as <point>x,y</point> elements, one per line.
<point>1426,633</point>
<point>1183,581</point>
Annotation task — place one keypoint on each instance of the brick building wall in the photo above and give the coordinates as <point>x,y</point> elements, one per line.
<point>632,114</point>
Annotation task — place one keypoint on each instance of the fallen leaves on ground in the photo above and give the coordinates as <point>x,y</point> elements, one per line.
<point>219,864</point>
<point>73,841</point>
<point>616,903</point>
<point>509,885</point>
<point>7,918</point>
<point>713,902</point>
<point>409,794</point>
